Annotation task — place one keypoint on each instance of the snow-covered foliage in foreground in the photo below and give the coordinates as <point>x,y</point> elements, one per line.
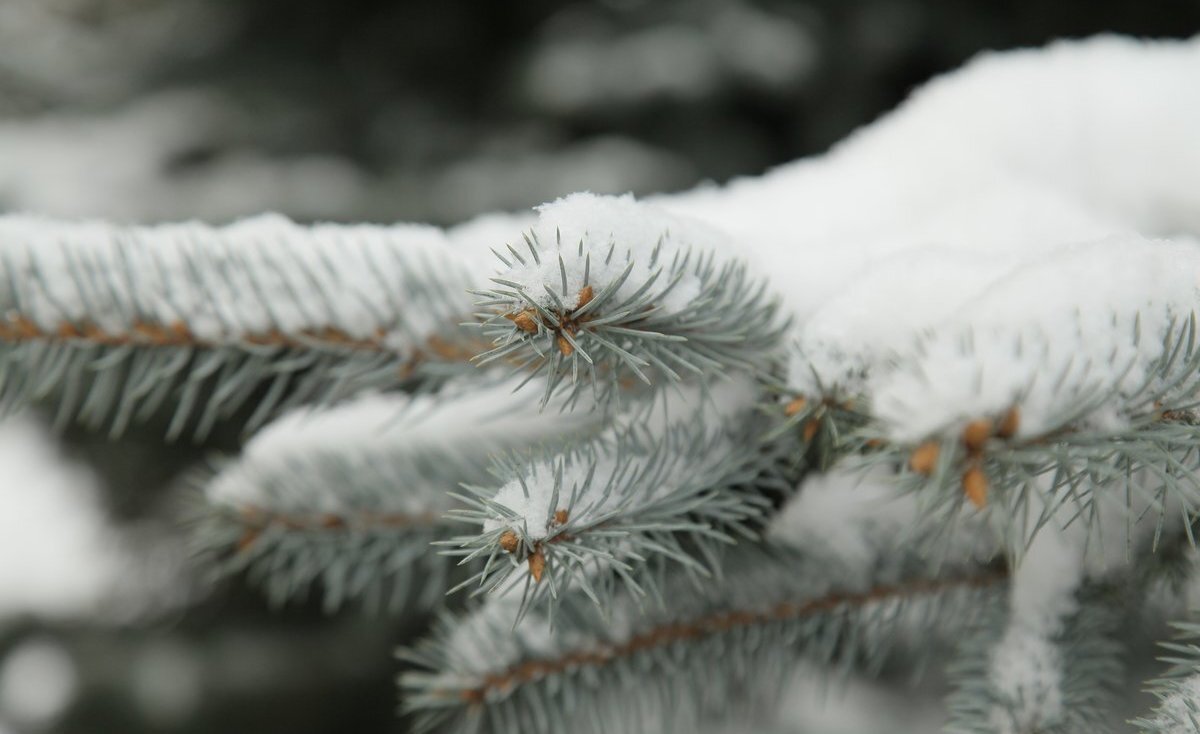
<point>115,323</point>
<point>994,288</point>
<point>960,351</point>
<point>618,288</point>
<point>352,496</point>
<point>1007,219</point>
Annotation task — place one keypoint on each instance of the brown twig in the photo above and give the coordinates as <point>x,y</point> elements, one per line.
<point>17,328</point>
<point>257,520</point>
<point>706,626</point>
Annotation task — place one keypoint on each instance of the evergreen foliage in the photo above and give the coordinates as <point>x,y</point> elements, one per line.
<point>654,471</point>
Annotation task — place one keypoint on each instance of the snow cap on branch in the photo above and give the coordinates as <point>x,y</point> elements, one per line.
<point>1044,331</point>
<point>685,468</point>
<point>385,451</point>
<point>621,288</point>
<point>116,322</point>
<point>257,277</point>
<point>613,480</point>
<point>354,494</point>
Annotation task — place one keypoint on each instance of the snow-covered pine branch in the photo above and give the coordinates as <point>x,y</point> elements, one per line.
<point>1015,676</point>
<point>618,289</point>
<point>975,291</point>
<point>990,350</point>
<point>668,480</point>
<point>1048,662</point>
<point>1178,691</point>
<point>1094,382</point>
<point>113,323</point>
<point>705,654</point>
<point>841,585</point>
<point>1049,659</point>
<point>350,497</point>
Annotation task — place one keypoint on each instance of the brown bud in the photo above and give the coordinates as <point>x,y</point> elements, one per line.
<point>924,457</point>
<point>975,485</point>
<point>1009,423</point>
<point>795,406</point>
<point>509,541</point>
<point>523,320</point>
<point>810,429</point>
<point>585,296</point>
<point>565,346</point>
<point>537,564</point>
<point>560,517</point>
<point>976,433</point>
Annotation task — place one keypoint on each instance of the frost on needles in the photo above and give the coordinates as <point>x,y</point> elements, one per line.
<point>669,480</point>
<point>606,289</point>
<point>183,324</point>
<point>352,496</point>
<point>934,395</point>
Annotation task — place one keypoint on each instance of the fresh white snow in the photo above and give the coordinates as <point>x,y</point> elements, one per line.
<point>591,240</point>
<point>374,452</point>
<point>258,276</point>
<point>688,417</point>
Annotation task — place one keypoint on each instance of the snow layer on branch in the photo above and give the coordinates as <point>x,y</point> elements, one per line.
<point>1178,711</point>
<point>395,452</point>
<point>475,240</point>
<point>258,276</point>
<point>1032,665</point>
<point>1011,201</point>
<point>847,516</point>
<point>651,451</point>
<point>1026,664</point>
<point>855,517</point>
<point>578,233</point>
<point>1082,135</point>
<point>607,287</point>
<point>1083,322</point>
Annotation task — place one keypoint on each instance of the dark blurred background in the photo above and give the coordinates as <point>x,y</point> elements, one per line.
<point>149,110</point>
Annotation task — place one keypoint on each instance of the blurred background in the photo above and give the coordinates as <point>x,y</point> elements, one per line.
<point>151,110</point>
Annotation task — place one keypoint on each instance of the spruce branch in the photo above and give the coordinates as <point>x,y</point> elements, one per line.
<point>351,497</point>
<point>115,324</point>
<point>1129,429</point>
<point>1050,659</point>
<point>1012,680</point>
<point>827,427</point>
<point>1178,690</point>
<point>671,479</point>
<point>605,289</point>
<point>665,668</point>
